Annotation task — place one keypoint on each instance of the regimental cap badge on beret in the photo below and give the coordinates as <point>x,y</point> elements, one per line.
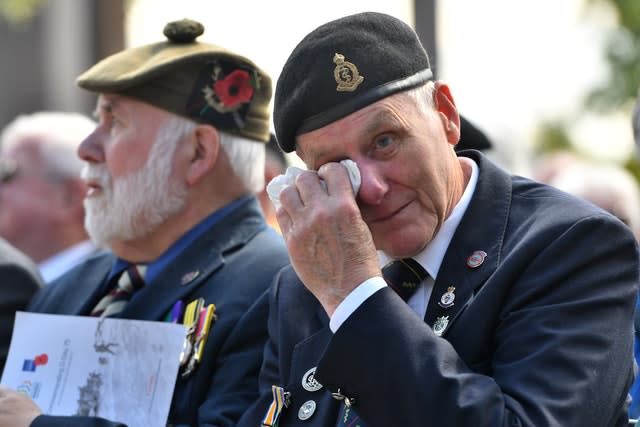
<point>372,55</point>
<point>346,74</point>
<point>201,81</point>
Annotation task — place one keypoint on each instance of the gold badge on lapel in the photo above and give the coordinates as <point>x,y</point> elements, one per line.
<point>346,74</point>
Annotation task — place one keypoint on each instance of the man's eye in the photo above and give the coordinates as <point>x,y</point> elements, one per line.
<point>384,141</point>
<point>113,122</point>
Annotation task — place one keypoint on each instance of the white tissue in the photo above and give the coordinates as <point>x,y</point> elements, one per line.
<point>277,184</point>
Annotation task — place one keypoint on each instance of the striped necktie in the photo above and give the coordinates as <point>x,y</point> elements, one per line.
<point>130,280</point>
<point>404,276</point>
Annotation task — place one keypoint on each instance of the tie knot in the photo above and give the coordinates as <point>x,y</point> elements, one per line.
<point>130,280</point>
<point>135,274</point>
<point>404,276</point>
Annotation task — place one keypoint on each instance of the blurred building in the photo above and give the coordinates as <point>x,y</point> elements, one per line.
<point>46,45</point>
<point>46,48</point>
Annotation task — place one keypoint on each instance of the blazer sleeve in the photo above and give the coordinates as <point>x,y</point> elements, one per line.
<point>561,343</point>
<point>235,384</point>
<point>269,372</point>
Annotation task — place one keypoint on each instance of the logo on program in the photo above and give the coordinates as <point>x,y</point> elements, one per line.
<point>30,365</point>
<point>29,388</point>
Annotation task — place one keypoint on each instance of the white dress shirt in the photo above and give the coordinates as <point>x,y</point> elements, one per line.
<point>53,267</point>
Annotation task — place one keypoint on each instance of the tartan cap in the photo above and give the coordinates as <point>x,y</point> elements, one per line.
<point>343,66</point>
<point>203,82</point>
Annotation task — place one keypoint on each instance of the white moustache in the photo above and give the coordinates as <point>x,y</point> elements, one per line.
<point>96,173</point>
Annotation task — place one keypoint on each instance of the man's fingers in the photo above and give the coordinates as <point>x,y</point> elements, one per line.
<point>336,177</point>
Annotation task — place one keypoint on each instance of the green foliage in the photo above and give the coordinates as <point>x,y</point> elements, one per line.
<point>622,53</point>
<point>19,12</point>
<point>633,165</point>
<point>618,91</point>
<point>552,136</point>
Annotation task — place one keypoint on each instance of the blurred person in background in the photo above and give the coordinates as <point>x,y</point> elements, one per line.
<point>41,191</point>
<point>608,186</point>
<point>174,165</point>
<point>275,163</point>
<point>634,409</point>
<point>19,281</point>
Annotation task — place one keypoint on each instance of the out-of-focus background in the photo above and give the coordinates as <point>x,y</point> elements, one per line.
<point>534,76</point>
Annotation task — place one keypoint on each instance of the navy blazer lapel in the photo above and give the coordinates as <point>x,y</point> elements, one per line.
<point>100,272</point>
<point>474,252</point>
<point>199,261</point>
<point>77,291</point>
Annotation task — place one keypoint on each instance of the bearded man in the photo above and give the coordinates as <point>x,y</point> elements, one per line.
<point>173,167</point>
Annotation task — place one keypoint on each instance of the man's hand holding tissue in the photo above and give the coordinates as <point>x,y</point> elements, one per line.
<point>330,245</point>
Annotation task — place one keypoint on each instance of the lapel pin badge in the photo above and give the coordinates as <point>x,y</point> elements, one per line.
<point>440,325</point>
<point>189,277</point>
<point>476,259</point>
<point>306,410</point>
<point>309,382</point>
<point>447,299</point>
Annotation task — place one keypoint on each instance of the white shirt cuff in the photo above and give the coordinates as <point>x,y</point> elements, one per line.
<point>354,300</point>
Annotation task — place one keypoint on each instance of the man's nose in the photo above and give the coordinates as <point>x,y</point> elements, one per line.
<point>373,187</point>
<point>91,148</point>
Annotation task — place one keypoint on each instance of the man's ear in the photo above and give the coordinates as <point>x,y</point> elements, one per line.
<point>446,106</point>
<point>205,143</point>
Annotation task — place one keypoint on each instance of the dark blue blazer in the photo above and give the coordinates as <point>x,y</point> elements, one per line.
<point>19,281</point>
<point>540,333</point>
<point>231,265</point>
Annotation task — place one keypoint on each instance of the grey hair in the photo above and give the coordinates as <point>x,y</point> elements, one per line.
<point>247,158</point>
<point>173,130</point>
<point>423,96</point>
<point>59,134</point>
<point>245,155</point>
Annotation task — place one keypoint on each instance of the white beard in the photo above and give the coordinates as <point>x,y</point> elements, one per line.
<point>132,206</point>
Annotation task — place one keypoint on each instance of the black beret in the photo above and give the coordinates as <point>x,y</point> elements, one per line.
<point>201,81</point>
<point>343,66</point>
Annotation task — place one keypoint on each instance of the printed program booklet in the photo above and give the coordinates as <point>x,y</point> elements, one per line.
<point>119,369</point>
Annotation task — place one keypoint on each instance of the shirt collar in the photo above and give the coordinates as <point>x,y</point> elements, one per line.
<point>55,266</point>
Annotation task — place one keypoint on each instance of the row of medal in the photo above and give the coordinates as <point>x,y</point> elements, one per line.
<point>198,320</point>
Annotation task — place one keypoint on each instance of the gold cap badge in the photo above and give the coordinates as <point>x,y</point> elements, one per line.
<point>346,74</point>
